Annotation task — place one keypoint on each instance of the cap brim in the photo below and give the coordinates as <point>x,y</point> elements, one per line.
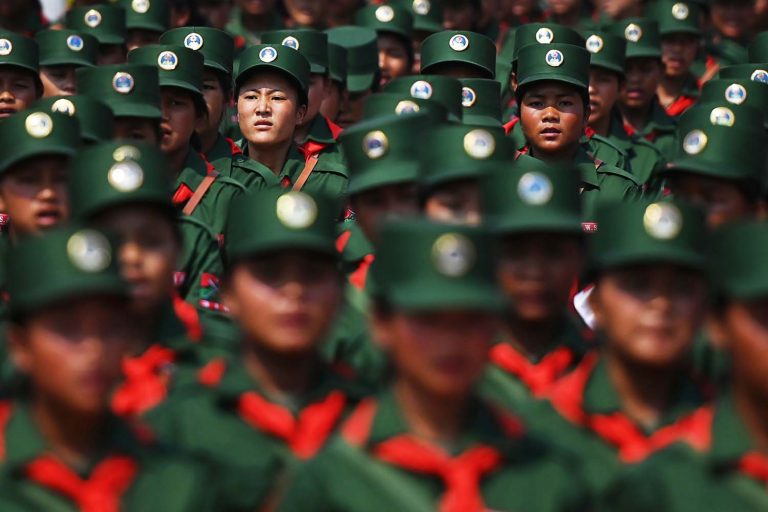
<point>426,25</point>
<point>552,77</point>
<point>426,70</point>
<point>607,65</point>
<point>109,39</point>
<point>713,170</point>
<point>318,69</point>
<point>360,82</point>
<point>655,255</point>
<point>455,174</point>
<point>306,241</point>
<point>217,67</point>
<point>180,84</point>
<point>242,75</point>
<point>135,109</point>
<point>642,53</point>
<point>460,295</point>
<point>129,199</point>
<point>85,286</point>
<point>51,149</point>
<point>540,222</point>
<point>395,174</point>
<point>62,61</point>
<point>481,120</point>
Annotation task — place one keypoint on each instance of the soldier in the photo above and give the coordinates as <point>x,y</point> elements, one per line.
<point>145,20</point>
<point>107,24</point>
<point>248,20</point>
<point>444,91</point>
<point>20,83</point>
<point>337,86</point>
<point>394,28</point>
<point>427,20</point>
<point>61,53</point>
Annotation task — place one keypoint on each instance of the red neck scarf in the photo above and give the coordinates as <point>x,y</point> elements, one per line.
<point>306,434</point>
<point>680,105</point>
<point>755,465</point>
<point>146,382</point>
<point>99,493</point>
<point>5,415</point>
<point>537,377</point>
<point>616,429</point>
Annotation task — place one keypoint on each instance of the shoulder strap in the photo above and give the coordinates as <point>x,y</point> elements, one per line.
<point>200,192</point>
<point>304,176</point>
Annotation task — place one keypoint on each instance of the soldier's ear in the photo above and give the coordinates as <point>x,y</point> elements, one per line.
<point>300,113</point>
<point>716,326</point>
<point>18,348</point>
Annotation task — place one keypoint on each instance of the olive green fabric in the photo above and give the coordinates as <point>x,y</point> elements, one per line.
<point>426,266</point>
<point>737,262</point>
<point>337,63</point>
<point>481,102</point>
<point>642,36</point>
<point>388,104</point>
<point>456,152</point>
<point>641,232</point>
<point>66,47</point>
<point>556,62</point>
<point>712,139</point>
<point>115,173</point>
<point>607,50</point>
<point>736,92</point>
<point>217,47</point>
<point>427,14</point>
<point>758,50</point>
<point>464,47</point>
<point>676,17</point>
<point>177,66</point>
<point>37,132</point>
<point>19,51</point>
<point>95,117</point>
<point>312,44</point>
<point>381,151</point>
<point>386,18</point>
<point>287,220</point>
<point>544,33</point>
<point>63,264</point>
<point>757,72</point>
<point>442,89</point>
<point>275,57</point>
<point>531,196</point>
<point>154,15</point>
<point>362,55</point>
<point>103,21</point>
<point>130,90</point>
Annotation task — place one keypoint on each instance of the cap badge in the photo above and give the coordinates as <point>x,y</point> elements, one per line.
<point>595,43</point>
<point>680,11</point>
<point>459,43</point>
<point>534,188</point>
<point>544,36</point>
<point>125,176</point>
<point>291,42</point>
<point>267,54</point>
<point>662,221</point>
<point>722,116</point>
<point>759,75</point>
<point>296,210</point>
<point>554,58</point>
<point>468,97</point>
<point>39,125</point>
<point>89,251</point>
<point>63,106</point>
<point>453,254</point>
<point>126,153</point>
<point>736,94</point>
<point>6,47</point>
<point>422,7</point>
<point>695,142</point>
<point>375,144</point>
<point>193,41</point>
<point>479,144</point>
<point>167,60</point>
<point>385,14</point>
<point>122,82</point>
<point>633,33</point>
<point>75,43</point>
<point>421,90</point>
<point>92,18</point>
<point>406,107</point>
<point>140,6</point>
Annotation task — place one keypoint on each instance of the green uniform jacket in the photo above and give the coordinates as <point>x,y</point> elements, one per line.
<point>256,176</point>
<point>349,475</point>
<point>329,176</point>
<point>680,479</point>
<point>660,130</point>
<point>249,457</point>
<point>644,158</point>
<point>583,414</point>
<point>223,148</point>
<point>163,482</point>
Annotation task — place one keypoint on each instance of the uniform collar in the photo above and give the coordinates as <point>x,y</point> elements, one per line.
<point>243,161</point>
<point>221,149</point>
<point>585,163</point>
<point>195,169</point>
<point>569,336</point>
<point>319,131</point>
<point>617,135</point>
<point>658,120</point>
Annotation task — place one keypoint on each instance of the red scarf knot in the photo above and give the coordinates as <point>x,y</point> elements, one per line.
<point>146,382</point>
<point>211,374</point>
<point>5,415</point>
<point>537,377</point>
<point>234,148</point>
<point>360,275</point>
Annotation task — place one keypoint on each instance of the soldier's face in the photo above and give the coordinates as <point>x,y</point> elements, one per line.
<point>393,58</point>
<point>642,78</point>
<point>268,109</point>
<point>137,129</point>
<point>619,9</point>
<point>603,94</point>
<point>284,302</point>
<point>58,80</point>
<point>560,7</point>
<point>386,202</point>
<point>332,101</point>
<point>733,19</point>
<point>111,54</point>
<point>553,118</point>
<point>215,102</point>
<point>457,202</point>
<point>17,90</point>
<point>318,89</point>
<point>179,120</point>
<point>678,51</point>
<point>649,314</point>
<point>256,7</point>
<point>306,13</point>
<point>351,109</point>
<point>137,38</point>
<point>723,201</point>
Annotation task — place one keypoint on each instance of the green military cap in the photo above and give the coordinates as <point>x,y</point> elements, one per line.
<point>544,33</point>
<point>386,18</point>
<point>711,143</point>
<point>95,117</point>
<point>427,14</point>
<point>286,220</point>
<point>607,50</point>
<point>636,232</point>
<point>385,104</point>
<point>559,62</point>
<point>422,266</point>
<point>758,50</point>
<point>337,63</point>
<point>217,46</point>
<point>35,132</point>
<point>154,15</point>
<point>64,264</point>
<point>757,72</point>
<point>362,55</point>
<point>481,102</point>
<point>466,47</point>
<point>105,22</point>
<point>312,44</point>
<point>67,47</point>
<point>177,66</point>
<point>676,17</point>
<point>642,36</point>
<point>442,89</point>
<point>531,196</point>
<point>455,152</point>
<point>130,90</point>
<point>113,174</point>
<point>276,57</point>
<point>383,151</point>
<point>737,261</point>
<point>19,51</point>
<point>736,92</point>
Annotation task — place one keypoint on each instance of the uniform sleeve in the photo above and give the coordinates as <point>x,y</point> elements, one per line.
<point>305,491</point>
<point>638,489</point>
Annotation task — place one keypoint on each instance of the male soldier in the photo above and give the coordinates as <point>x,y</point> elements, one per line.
<point>107,24</point>
<point>20,83</point>
<point>61,53</point>
<point>394,28</point>
<point>145,20</point>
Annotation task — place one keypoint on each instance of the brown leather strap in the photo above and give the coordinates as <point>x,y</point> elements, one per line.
<point>200,192</point>
<point>304,176</point>
<point>709,74</point>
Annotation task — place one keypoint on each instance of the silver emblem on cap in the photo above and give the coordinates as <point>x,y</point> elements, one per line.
<point>92,18</point>
<point>453,254</point>
<point>6,46</point>
<point>594,44</point>
<point>375,144</point>
<point>140,6</point>
<point>695,142</point>
<point>422,7</point>
<point>64,106</point>
<point>633,33</point>
<point>554,58</point>
<point>421,89</point>
<point>662,221</point>
<point>194,41</point>
<point>680,11</point>
<point>122,82</point>
<point>75,43</point>
<point>89,251</point>
<point>406,107</point>
<point>722,116</point>
<point>296,210</point>
<point>38,124</point>
<point>534,188</point>
<point>385,14</point>
<point>267,54</point>
<point>479,144</point>
<point>736,94</point>
<point>544,36</point>
<point>291,42</point>
<point>759,75</point>
<point>167,60</point>
<point>468,97</point>
<point>126,176</point>
<point>459,43</point>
